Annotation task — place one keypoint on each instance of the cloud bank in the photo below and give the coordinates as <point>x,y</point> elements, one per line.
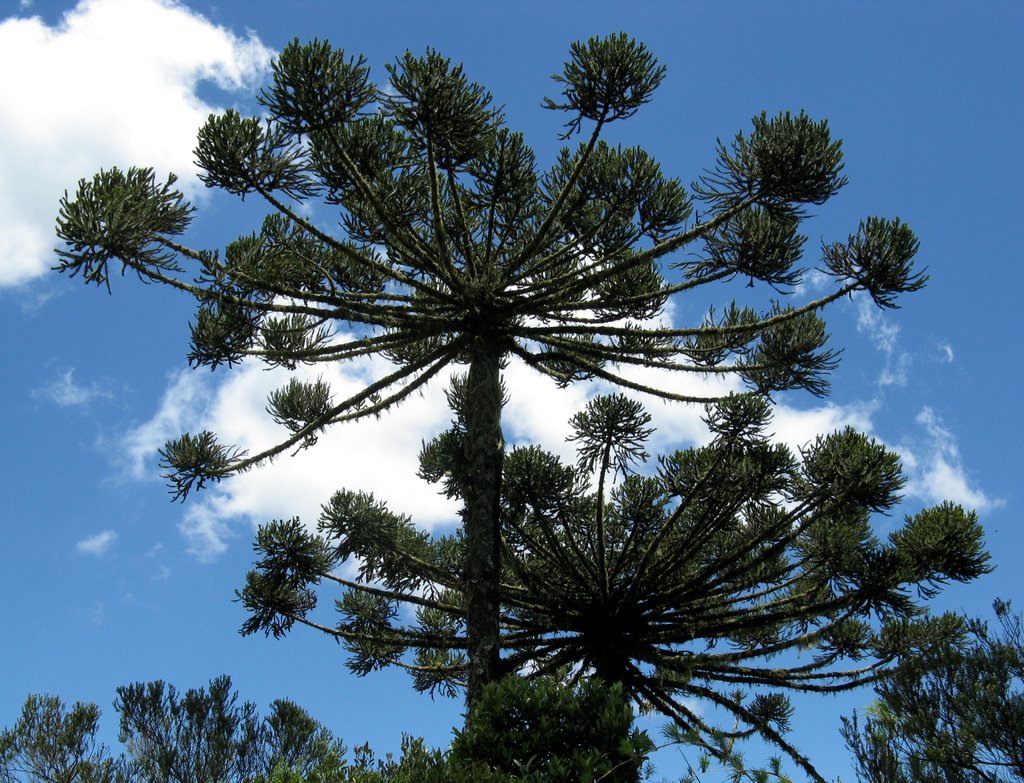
<point>379,456</point>
<point>113,84</point>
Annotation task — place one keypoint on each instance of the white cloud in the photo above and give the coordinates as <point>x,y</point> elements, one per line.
<point>936,470</point>
<point>885,335</point>
<point>798,428</point>
<point>113,84</point>
<point>895,371</point>
<point>98,544</point>
<point>66,392</point>
<point>205,530</point>
<point>946,350</point>
<point>186,396</point>
<point>813,283</point>
<point>376,455</point>
<point>538,411</point>
<point>381,455</point>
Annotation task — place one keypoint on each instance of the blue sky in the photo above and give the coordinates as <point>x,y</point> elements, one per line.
<point>108,582</point>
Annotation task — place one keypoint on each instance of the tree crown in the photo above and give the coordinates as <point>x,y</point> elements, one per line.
<point>451,239</point>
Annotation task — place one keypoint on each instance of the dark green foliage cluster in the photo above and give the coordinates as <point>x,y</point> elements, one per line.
<point>606,79</point>
<point>206,735</point>
<point>50,742</point>
<point>737,565</point>
<point>202,736</point>
<point>955,712</point>
<point>119,215</point>
<point>540,731</point>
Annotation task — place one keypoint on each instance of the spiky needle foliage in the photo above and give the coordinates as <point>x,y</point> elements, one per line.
<point>734,573</point>
<point>452,248</point>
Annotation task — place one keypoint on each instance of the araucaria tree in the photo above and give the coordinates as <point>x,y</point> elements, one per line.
<point>737,573</point>
<point>453,249</point>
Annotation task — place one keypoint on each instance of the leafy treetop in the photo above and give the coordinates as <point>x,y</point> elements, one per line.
<point>450,238</point>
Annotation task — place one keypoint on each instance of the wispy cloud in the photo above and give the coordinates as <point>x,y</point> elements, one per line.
<point>65,391</point>
<point>946,352</point>
<point>33,296</point>
<point>813,283</point>
<point>206,530</point>
<point>179,409</point>
<point>936,469</point>
<point>75,108</point>
<point>97,545</point>
<point>885,335</point>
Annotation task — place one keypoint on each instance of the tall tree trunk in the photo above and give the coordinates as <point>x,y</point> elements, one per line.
<point>485,451</point>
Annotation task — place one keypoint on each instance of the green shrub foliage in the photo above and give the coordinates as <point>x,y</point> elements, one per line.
<point>522,732</point>
<point>52,743</point>
<point>541,730</point>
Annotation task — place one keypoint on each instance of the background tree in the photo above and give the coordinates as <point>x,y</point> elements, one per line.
<point>954,713</point>
<point>454,250</point>
<point>52,744</point>
<point>206,735</point>
<point>200,736</point>
<point>297,744</point>
<point>735,573</point>
<point>522,733</point>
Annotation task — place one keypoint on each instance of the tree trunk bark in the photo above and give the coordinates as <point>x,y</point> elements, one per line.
<point>485,450</point>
